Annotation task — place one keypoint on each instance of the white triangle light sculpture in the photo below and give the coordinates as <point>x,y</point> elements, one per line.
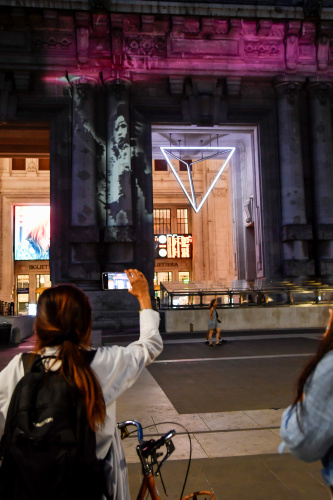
<point>170,152</point>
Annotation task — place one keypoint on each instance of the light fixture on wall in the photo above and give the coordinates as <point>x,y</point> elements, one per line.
<point>169,153</point>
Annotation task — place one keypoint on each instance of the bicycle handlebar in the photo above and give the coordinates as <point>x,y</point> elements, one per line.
<point>122,426</point>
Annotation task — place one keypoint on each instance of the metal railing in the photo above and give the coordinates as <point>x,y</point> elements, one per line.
<point>241,293</point>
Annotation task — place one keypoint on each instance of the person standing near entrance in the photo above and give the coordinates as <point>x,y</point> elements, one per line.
<point>214,324</point>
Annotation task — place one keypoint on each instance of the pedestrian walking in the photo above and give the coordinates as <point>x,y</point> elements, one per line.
<point>214,324</point>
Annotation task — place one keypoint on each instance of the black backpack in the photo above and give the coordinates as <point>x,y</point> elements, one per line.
<point>48,449</point>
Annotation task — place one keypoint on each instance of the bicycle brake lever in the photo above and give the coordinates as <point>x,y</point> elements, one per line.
<point>154,460</point>
<point>170,447</point>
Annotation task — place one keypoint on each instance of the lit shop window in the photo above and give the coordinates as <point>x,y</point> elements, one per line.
<point>184,276</point>
<point>162,276</point>
<point>22,289</point>
<point>42,282</point>
<point>162,220</point>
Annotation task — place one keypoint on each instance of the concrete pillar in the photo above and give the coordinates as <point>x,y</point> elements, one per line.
<point>295,231</point>
<point>322,161</point>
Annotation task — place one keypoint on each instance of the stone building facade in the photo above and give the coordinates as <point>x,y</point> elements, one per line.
<point>102,78</point>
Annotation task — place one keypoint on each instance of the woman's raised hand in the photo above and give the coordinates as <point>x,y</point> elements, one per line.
<point>140,288</point>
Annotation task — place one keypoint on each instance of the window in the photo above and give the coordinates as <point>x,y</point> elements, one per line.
<point>162,276</point>
<point>160,166</point>
<point>182,221</point>
<point>184,276</point>
<point>18,163</point>
<point>22,293</point>
<point>44,164</point>
<point>42,281</point>
<point>162,221</point>
<point>183,166</point>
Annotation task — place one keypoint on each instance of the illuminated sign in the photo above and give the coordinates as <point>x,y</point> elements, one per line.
<point>32,232</point>
<point>170,153</point>
<point>173,246</point>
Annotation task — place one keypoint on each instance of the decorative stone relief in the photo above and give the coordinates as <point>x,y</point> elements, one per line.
<point>146,45</point>
<point>52,40</point>
<point>262,49</point>
<point>31,166</point>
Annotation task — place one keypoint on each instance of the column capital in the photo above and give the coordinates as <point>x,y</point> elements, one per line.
<point>83,80</point>
<point>319,90</point>
<point>117,82</point>
<point>288,89</point>
<point>80,85</point>
<point>117,88</point>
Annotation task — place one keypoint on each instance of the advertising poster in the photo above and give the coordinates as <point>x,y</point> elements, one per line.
<point>32,232</point>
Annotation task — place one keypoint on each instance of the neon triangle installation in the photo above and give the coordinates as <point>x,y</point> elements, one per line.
<point>170,153</point>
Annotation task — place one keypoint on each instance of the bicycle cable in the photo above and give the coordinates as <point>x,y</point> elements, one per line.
<point>190,454</point>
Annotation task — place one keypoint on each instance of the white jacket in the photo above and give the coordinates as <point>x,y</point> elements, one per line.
<point>117,368</point>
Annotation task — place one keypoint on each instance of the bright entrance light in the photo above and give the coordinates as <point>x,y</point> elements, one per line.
<point>174,152</point>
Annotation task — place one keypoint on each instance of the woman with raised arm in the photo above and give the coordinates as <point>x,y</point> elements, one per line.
<point>63,330</point>
<point>307,424</point>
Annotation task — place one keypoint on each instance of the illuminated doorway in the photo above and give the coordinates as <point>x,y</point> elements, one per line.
<point>225,236</point>
<point>24,182</point>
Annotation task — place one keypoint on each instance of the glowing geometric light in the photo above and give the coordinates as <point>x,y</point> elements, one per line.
<point>168,152</point>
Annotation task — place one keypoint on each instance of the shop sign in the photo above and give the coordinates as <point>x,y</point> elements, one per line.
<point>173,246</point>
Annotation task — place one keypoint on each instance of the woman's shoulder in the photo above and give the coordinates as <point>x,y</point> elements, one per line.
<point>325,364</point>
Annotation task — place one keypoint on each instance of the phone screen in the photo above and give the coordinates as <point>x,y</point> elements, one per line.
<point>115,281</point>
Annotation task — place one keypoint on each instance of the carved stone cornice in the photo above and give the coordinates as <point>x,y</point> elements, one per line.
<point>115,42</point>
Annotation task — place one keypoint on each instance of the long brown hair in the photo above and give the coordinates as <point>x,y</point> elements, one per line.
<point>64,319</point>
<point>324,347</point>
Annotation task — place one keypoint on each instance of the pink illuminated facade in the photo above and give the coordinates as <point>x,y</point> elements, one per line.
<point>113,83</point>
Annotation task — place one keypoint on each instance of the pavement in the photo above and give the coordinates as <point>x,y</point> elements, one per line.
<point>229,399</point>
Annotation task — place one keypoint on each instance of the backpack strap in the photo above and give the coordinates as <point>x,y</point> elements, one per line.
<point>28,358</point>
<point>89,355</point>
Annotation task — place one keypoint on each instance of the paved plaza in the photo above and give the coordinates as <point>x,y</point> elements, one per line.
<point>230,399</point>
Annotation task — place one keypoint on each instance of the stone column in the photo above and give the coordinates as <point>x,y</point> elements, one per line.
<point>141,149</point>
<point>119,190</point>
<point>295,231</point>
<point>322,161</point>
<point>119,231</point>
<point>84,230</point>
<point>84,209</point>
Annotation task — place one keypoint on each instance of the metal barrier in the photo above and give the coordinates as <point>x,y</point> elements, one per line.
<point>262,293</point>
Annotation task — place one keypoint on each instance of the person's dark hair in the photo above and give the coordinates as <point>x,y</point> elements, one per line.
<point>64,319</point>
<point>324,347</point>
<point>211,303</point>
